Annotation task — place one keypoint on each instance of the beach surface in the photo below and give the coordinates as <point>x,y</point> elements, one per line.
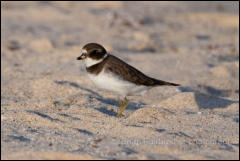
<point>51,110</point>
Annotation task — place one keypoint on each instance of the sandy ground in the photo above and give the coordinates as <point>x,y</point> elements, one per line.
<point>51,110</point>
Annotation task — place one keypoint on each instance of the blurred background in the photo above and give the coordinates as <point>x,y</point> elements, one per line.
<point>49,105</point>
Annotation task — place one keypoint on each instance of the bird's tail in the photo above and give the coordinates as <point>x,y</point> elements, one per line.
<point>163,83</point>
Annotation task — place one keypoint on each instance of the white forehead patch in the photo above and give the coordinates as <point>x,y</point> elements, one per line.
<point>84,51</point>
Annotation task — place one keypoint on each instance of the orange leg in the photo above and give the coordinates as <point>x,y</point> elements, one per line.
<point>122,106</point>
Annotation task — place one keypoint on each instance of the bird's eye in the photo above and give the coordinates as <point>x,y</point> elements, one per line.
<point>93,53</point>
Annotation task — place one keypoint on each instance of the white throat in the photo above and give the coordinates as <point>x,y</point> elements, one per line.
<point>89,62</point>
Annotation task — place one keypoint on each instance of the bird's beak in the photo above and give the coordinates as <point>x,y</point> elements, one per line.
<point>81,57</point>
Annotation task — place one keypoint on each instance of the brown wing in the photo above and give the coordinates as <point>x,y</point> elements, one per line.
<point>129,73</point>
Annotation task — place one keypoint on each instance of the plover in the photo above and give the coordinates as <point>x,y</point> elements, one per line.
<point>112,74</point>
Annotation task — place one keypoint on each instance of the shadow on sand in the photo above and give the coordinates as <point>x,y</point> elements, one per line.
<point>211,98</point>
<point>107,101</point>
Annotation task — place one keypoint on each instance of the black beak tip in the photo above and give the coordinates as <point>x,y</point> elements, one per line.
<point>79,58</point>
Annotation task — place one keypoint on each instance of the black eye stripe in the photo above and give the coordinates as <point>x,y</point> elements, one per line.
<point>93,53</point>
<point>96,54</point>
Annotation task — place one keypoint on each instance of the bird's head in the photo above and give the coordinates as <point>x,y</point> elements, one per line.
<point>93,51</point>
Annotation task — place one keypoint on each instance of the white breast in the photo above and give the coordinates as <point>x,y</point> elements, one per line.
<point>113,83</point>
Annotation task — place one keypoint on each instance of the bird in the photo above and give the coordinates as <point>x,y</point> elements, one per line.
<point>110,73</point>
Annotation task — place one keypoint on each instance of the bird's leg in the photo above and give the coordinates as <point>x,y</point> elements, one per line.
<point>126,102</point>
<point>122,106</point>
<point>120,102</point>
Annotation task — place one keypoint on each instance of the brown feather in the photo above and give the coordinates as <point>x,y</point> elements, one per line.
<point>125,72</point>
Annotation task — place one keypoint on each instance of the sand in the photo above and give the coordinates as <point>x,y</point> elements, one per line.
<point>51,110</point>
